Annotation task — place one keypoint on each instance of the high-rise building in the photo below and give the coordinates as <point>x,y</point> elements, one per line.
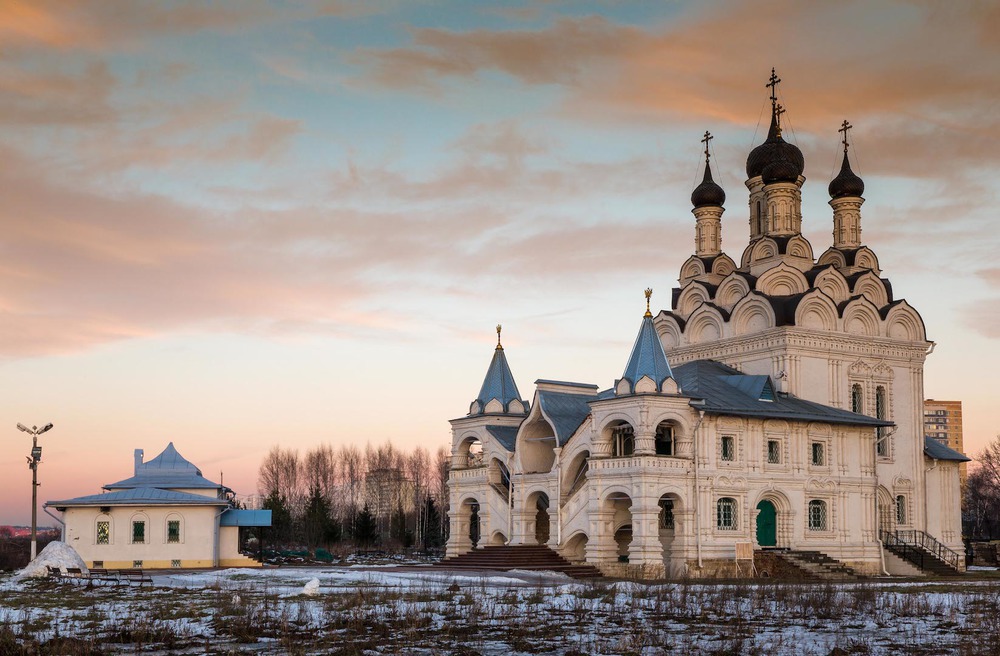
<point>943,422</point>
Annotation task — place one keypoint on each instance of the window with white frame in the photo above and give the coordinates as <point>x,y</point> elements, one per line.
<point>818,454</point>
<point>727,448</point>
<point>817,515</point>
<point>726,514</point>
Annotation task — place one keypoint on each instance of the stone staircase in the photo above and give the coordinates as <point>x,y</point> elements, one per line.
<point>522,556</point>
<point>815,565</point>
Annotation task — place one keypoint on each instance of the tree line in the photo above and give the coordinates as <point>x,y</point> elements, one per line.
<point>378,496</point>
<point>981,498</point>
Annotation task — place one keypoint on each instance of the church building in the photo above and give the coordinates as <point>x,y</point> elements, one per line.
<point>778,404</point>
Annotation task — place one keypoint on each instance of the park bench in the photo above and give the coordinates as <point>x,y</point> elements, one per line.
<point>99,575</point>
<point>134,576</point>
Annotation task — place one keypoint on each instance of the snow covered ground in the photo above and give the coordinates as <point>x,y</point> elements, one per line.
<point>418,611</point>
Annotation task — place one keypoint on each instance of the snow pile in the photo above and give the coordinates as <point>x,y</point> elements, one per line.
<point>311,588</point>
<point>57,555</point>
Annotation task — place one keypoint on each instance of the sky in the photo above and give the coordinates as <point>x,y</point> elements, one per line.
<point>240,224</point>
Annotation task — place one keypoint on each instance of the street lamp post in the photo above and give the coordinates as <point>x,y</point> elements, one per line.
<point>33,460</point>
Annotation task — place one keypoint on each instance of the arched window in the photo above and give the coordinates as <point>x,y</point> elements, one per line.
<point>857,399</point>
<point>817,515</point>
<point>102,529</point>
<point>622,440</point>
<point>726,514</point>
<point>667,513</point>
<point>139,533</point>
<point>174,529</point>
<point>901,509</point>
<point>665,439</point>
<point>881,412</point>
<point>760,219</point>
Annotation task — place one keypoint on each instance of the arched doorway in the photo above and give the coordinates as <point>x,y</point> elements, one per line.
<point>538,507</point>
<point>767,524</point>
<point>474,530</point>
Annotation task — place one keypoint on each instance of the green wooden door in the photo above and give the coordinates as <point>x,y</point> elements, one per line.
<point>767,524</point>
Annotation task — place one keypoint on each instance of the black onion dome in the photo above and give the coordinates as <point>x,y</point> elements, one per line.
<point>846,183</point>
<point>772,151</point>
<point>708,194</point>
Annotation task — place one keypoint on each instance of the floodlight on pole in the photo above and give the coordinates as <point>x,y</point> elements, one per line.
<point>33,460</point>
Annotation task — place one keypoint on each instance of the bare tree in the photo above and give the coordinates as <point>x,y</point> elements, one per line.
<point>320,471</point>
<point>279,472</point>
<point>982,494</point>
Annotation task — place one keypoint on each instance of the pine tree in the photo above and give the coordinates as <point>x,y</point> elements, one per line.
<point>281,518</point>
<point>365,528</point>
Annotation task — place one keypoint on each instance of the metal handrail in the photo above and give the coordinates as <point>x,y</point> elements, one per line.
<point>919,543</point>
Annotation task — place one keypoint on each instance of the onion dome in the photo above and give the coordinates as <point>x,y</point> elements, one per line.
<point>846,183</point>
<point>708,194</point>
<point>786,158</point>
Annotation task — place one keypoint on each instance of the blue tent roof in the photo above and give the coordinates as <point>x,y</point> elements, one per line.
<point>167,470</point>
<point>648,357</point>
<point>499,383</point>
<point>141,496</point>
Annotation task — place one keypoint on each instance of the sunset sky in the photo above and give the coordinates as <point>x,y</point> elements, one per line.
<point>240,224</point>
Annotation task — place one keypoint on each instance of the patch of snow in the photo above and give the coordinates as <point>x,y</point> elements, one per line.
<point>981,568</point>
<point>57,555</point>
<point>311,588</point>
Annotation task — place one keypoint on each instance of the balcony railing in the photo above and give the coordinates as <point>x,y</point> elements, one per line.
<point>639,462</point>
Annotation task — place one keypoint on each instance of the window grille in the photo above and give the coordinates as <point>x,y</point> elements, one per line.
<point>138,532</point>
<point>882,442</point>
<point>103,532</point>
<point>175,563</point>
<point>726,514</point>
<point>728,448</point>
<point>773,452</point>
<point>173,531</point>
<point>857,399</point>
<point>666,513</point>
<point>817,515</point>
<point>901,509</point>
<point>818,455</point>
<point>99,563</point>
<point>136,564</point>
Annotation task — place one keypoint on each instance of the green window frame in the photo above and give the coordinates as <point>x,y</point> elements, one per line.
<point>174,531</point>
<point>138,531</point>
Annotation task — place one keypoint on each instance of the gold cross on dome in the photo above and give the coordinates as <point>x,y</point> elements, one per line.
<point>844,127</point>
<point>773,84</point>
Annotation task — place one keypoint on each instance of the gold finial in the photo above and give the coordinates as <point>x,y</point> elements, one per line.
<point>649,292</point>
<point>499,328</point>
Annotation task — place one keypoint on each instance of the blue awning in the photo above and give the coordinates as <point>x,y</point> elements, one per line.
<point>236,517</point>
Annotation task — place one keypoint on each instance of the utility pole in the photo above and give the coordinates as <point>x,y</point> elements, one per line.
<point>33,460</point>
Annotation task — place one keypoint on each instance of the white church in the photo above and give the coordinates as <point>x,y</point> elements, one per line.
<point>776,405</point>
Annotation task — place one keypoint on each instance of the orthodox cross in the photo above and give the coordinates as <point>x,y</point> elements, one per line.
<point>773,84</point>
<point>844,127</point>
<point>649,292</point>
<point>708,137</point>
<point>778,111</point>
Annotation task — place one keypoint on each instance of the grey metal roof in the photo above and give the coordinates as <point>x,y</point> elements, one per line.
<point>714,382</point>
<point>505,435</point>
<point>565,412</point>
<point>240,517</point>
<point>168,470</point>
<point>648,358</point>
<point>937,451</point>
<point>141,496</point>
<point>499,383</point>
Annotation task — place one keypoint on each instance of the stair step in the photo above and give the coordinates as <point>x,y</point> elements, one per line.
<point>526,557</point>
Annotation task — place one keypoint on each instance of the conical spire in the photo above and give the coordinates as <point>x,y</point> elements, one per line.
<point>499,384</point>
<point>648,358</point>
